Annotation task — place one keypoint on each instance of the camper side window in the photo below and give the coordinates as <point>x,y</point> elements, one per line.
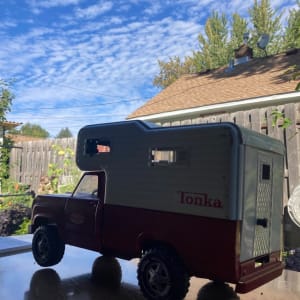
<point>96,146</point>
<point>162,156</point>
<point>168,157</point>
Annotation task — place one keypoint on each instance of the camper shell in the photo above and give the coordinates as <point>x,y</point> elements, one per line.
<point>209,193</point>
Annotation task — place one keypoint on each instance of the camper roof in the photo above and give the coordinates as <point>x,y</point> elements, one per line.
<point>244,135</point>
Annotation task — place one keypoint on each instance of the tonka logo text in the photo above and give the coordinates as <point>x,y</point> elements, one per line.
<point>199,199</point>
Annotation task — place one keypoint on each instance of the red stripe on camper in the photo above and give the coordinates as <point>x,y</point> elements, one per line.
<point>209,247</point>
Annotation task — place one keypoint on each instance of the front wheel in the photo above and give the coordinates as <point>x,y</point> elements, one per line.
<point>161,275</point>
<point>47,247</point>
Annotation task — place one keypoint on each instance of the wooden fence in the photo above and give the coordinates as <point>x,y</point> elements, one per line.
<point>30,160</point>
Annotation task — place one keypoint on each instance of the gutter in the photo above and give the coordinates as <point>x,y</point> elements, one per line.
<point>224,107</point>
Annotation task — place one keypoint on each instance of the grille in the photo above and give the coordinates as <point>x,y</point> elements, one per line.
<point>263,211</point>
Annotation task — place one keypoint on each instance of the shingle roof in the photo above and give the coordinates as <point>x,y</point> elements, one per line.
<point>257,78</point>
<point>9,124</point>
<point>23,138</point>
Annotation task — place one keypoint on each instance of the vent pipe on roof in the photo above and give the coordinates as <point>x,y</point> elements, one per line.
<point>263,42</point>
<point>241,55</point>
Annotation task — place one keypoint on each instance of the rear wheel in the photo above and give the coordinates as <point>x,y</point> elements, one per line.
<point>162,276</point>
<point>47,247</point>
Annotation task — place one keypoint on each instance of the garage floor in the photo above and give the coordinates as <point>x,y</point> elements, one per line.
<point>85,275</point>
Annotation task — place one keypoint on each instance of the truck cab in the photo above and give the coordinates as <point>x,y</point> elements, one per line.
<point>73,215</point>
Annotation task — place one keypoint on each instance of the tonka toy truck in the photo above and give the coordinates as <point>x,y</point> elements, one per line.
<point>198,200</point>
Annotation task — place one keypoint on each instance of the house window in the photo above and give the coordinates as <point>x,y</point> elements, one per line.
<point>97,146</point>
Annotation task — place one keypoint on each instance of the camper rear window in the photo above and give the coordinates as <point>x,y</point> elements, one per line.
<point>266,172</point>
<point>97,146</point>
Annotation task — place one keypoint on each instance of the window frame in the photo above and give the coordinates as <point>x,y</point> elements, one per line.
<point>177,157</point>
<point>92,146</point>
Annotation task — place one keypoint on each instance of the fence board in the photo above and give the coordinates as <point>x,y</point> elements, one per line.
<point>240,118</point>
<point>256,120</point>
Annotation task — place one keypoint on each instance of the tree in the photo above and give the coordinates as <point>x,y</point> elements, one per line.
<point>172,70</point>
<point>33,130</point>
<point>221,38</point>
<point>64,133</point>
<point>6,98</point>
<point>265,21</point>
<point>239,27</point>
<point>213,47</point>
<point>218,47</point>
<point>292,32</point>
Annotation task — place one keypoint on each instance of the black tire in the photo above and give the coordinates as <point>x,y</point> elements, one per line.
<point>162,276</point>
<point>47,247</point>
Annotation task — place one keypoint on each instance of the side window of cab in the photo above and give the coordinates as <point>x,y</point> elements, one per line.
<point>87,187</point>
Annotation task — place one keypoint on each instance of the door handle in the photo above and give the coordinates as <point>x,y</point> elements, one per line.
<point>262,222</point>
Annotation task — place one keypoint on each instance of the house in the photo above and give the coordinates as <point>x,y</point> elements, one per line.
<point>8,125</point>
<point>257,93</point>
<point>256,83</point>
<point>4,126</point>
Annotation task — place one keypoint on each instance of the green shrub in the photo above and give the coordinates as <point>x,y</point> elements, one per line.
<point>15,193</point>
<point>23,227</point>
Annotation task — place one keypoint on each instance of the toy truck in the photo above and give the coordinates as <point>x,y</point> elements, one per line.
<point>199,200</point>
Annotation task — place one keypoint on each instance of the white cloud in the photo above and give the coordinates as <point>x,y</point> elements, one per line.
<point>81,59</point>
<point>114,63</point>
<point>153,9</point>
<point>38,6</point>
<point>51,3</point>
<point>8,23</point>
<point>94,10</point>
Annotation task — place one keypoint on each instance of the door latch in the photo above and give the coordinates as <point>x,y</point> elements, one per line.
<point>262,222</point>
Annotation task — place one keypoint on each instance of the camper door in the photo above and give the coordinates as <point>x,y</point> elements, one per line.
<point>262,195</point>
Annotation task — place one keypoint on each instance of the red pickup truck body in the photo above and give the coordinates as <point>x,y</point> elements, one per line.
<point>202,200</point>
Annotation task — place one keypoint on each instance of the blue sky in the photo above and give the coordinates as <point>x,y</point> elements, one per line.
<point>78,62</point>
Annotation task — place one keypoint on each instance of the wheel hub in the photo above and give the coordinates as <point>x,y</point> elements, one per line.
<point>43,246</point>
<point>158,279</point>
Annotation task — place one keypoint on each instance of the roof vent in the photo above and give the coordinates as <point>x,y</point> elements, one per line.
<point>241,55</point>
<point>263,42</point>
<point>243,51</point>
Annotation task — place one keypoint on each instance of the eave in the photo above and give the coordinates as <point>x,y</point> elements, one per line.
<point>244,104</point>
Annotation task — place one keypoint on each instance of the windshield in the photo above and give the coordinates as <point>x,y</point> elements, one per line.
<point>88,187</point>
